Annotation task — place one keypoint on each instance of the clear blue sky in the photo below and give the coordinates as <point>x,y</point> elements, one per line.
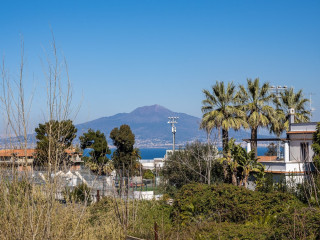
<point>126,54</point>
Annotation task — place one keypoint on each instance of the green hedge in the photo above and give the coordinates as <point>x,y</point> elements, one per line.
<point>226,202</point>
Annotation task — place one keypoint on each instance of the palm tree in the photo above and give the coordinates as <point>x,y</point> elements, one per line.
<point>255,101</point>
<point>247,162</point>
<point>288,99</point>
<point>231,161</point>
<point>219,110</point>
<point>241,164</point>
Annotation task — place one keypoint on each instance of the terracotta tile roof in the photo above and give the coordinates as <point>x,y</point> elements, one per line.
<point>266,171</point>
<point>29,152</point>
<point>17,152</point>
<point>70,151</point>
<point>300,132</point>
<point>267,158</point>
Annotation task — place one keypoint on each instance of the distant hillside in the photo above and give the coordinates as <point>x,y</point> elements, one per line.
<point>150,125</point>
<point>151,128</point>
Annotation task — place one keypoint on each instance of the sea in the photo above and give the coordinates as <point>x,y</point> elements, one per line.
<point>151,153</point>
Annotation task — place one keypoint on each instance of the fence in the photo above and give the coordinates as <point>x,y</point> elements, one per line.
<point>100,186</point>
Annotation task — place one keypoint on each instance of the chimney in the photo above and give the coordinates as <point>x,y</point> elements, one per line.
<point>291,117</point>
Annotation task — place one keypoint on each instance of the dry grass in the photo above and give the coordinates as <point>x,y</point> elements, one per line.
<point>29,211</point>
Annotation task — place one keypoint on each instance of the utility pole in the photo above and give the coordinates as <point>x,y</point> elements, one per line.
<point>277,90</point>
<point>209,163</point>
<point>172,121</point>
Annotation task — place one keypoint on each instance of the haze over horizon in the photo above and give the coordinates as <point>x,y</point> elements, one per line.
<point>127,54</point>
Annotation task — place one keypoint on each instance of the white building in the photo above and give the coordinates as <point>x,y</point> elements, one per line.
<point>298,153</point>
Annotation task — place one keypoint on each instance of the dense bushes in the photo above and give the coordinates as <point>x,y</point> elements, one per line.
<point>30,211</point>
<point>225,202</point>
<point>225,230</point>
<point>191,165</point>
<point>199,211</point>
<point>219,211</point>
<point>136,217</point>
<point>226,212</point>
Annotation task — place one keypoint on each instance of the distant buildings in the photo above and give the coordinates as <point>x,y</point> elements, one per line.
<point>23,158</point>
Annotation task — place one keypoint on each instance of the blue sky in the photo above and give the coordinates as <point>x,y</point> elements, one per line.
<point>127,54</point>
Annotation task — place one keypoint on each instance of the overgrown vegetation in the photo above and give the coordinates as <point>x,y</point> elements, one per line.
<point>209,190</point>
<point>192,164</point>
<point>201,163</point>
<point>199,211</point>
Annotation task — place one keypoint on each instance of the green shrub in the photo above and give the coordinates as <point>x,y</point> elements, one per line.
<point>226,202</point>
<point>212,212</point>
<point>303,223</point>
<point>148,174</point>
<point>80,193</point>
<point>140,218</point>
<point>223,231</point>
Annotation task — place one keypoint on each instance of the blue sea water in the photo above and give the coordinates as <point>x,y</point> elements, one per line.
<point>150,153</point>
<point>146,153</point>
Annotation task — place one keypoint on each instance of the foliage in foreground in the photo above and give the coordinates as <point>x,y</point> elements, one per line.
<point>28,211</point>
<point>137,217</point>
<point>228,212</point>
<point>225,202</point>
<point>215,212</point>
<point>223,211</point>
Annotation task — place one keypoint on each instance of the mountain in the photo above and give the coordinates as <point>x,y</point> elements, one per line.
<point>151,128</point>
<point>150,125</point>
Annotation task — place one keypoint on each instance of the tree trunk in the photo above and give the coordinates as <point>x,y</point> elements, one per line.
<point>240,182</point>
<point>254,135</point>
<point>225,171</point>
<point>225,140</point>
<point>246,181</point>
<point>234,178</point>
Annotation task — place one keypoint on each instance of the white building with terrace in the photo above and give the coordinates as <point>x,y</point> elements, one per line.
<point>297,156</point>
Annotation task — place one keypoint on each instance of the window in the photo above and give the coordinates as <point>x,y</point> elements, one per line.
<point>304,151</point>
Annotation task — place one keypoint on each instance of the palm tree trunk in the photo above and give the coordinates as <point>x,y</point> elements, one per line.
<point>225,140</point>
<point>234,178</point>
<point>241,182</point>
<point>254,135</point>
<point>246,181</point>
<point>225,172</point>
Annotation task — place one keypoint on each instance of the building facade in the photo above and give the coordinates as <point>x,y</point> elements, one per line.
<point>297,156</point>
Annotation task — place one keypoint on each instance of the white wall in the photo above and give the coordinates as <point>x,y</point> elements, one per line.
<point>310,126</point>
<point>143,195</point>
<point>295,149</point>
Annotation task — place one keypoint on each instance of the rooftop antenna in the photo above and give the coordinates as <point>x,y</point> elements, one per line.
<point>277,90</point>
<point>172,121</point>
<point>311,109</point>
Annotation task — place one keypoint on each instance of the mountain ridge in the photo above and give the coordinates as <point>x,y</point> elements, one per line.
<point>151,128</point>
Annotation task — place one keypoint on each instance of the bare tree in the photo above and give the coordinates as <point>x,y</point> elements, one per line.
<point>16,109</point>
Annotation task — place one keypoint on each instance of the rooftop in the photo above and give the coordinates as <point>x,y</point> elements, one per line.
<point>267,158</point>
<point>27,152</point>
